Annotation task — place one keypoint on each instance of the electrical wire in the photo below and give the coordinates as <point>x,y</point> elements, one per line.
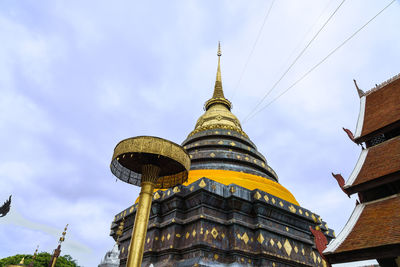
<point>294,62</point>
<point>252,49</point>
<point>320,62</point>
<point>307,33</point>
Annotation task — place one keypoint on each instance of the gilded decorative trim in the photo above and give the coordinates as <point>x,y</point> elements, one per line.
<point>218,126</point>
<point>153,145</point>
<point>218,100</point>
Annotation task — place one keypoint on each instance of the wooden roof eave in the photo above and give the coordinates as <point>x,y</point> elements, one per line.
<point>342,248</point>
<point>387,251</point>
<point>356,170</point>
<point>335,243</point>
<point>360,120</point>
<point>382,130</point>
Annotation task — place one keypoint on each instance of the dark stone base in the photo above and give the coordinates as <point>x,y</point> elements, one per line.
<point>209,224</point>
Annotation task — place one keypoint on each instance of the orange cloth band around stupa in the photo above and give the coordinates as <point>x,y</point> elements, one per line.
<point>245,180</point>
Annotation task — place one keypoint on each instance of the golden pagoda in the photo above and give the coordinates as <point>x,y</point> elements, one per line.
<point>231,210</point>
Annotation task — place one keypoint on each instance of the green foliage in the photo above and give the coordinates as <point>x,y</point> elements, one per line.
<point>42,260</point>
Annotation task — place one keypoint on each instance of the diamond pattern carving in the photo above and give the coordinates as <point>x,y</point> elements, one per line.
<point>271,241</point>
<point>314,256</point>
<point>245,238</point>
<point>296,249</point>
<point>292,209</point>
<point>194,233</point>
<point>314,218</point>
<point>279,244</point>
<point>257,195</point>
<point>187,235</point>
<point>176,189</point>
<point>288,247</point>
<point>260,238</point>
<point>202,183</point>
<point>214,233</point>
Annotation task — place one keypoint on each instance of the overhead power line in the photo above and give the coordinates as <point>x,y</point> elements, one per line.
<point>320,62</point>
<point>266,16</point>
<point>308,32</point>
<point>294,62</point>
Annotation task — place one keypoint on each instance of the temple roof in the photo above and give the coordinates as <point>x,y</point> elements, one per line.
<point>379,108</point>
<point>373,227</point>
<point>375,163</point>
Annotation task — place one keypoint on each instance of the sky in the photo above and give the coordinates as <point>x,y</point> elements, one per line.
<point>76,77</point>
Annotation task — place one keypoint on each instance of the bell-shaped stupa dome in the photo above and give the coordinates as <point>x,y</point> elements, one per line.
<point>220,150</point>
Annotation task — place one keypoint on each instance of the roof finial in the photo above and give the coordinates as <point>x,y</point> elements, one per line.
<point>359,91</point>
<point>219,63</point>
<point>218,95</point>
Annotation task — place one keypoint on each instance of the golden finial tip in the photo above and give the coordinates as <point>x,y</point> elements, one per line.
<point>219,49</point>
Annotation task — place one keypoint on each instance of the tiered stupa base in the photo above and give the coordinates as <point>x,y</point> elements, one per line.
<point>210,224</point>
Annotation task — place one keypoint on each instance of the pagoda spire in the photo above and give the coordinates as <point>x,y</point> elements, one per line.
<point>57,251</point>
<point>218,92</point>
<point>218,95</point>
<point>34,257</point>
